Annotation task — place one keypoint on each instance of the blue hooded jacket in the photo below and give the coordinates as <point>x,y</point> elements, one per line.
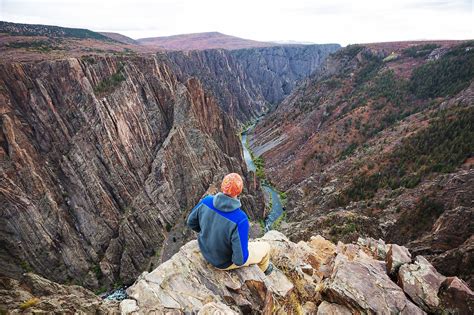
<point>223,230</point>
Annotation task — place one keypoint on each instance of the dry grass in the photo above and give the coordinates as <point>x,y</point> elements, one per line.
<point>29,303</point>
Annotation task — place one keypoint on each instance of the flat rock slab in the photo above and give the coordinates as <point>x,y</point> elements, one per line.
<point>363,286</point>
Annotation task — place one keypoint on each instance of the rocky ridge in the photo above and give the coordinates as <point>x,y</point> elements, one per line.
<point>312,277</point>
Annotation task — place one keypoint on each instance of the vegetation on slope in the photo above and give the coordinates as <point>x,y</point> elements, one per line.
<point>446,76</point>
<point>49,31</point>
<point>38,45</point>
<point>109,84</point>
<point>419,51</point>
<point>443,146</point>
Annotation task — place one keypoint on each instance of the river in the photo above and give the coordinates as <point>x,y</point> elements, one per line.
<point>274,197</point>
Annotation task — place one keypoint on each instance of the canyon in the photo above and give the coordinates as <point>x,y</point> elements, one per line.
<point>378,143</point>
<point>106,144</point>
<point>103,155</point>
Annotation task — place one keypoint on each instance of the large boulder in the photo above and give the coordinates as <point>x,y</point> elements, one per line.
<point>456,297</point>
<point>186,283</point>
<point>362,284</point>
<point>421,282</point>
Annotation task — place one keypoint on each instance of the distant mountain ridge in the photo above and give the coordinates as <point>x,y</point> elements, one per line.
<point>181,42</point>
<point>19,29</point>
<point>119,38</point>
<point>200,41</point>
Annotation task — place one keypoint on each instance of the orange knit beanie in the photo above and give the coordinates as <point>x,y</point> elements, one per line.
<point>232,185</point>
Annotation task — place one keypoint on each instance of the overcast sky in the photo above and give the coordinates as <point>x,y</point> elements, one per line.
<point>319,21</point>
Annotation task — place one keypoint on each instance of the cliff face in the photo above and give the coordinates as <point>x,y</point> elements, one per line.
<point>247,81</point>
<point>101,160</point>
<point>379,142</point>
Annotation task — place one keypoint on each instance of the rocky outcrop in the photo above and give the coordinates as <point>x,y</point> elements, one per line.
<point>101,159</point>
<point>362,284</point>
<point>33,294</point>
<point>310,277</point>
<point>247,81</point>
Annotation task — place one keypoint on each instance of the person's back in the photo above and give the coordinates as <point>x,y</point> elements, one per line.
<point>223,230</point>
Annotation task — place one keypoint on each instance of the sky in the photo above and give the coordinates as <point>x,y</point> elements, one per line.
<point>319,21</point>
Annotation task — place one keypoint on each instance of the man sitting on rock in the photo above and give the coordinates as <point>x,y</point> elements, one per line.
<point>224,230</point>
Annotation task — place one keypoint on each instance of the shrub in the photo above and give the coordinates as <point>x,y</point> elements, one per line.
<point>369,70</point>
<point>38,45</point>
<point>109,84</point>
<point>350,51</point>
<point>348,151</point>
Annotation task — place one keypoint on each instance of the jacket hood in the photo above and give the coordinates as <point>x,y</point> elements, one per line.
<point>225,203</point>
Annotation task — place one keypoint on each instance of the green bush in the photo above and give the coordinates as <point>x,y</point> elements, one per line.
<point>350,51</point>
<point>109,84</point>
<point>348,151</point>
<point>260,165</point>
<point>38,45</point>
<point>369,70</point>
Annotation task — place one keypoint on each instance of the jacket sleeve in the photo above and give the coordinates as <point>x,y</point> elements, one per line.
<point>193,218</point>
<point>240,243</point>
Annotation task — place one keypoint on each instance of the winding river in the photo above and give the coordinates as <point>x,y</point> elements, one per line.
<point>276,206</point>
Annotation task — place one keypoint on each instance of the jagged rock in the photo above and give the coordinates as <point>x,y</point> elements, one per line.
<point>309,308</point>
<point>187,282</point>
<point>51,297</point>
<point>456,297</point>
<point>396,256</point>
<point>377,247</point>
<point>421,282</point>
<point>326,308</point>
<point>362,285</point>
<point>449,246</point>
<point>214,308</point>
<point>169,286</point>
<point>128,306</point>
<point>306,274</point>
